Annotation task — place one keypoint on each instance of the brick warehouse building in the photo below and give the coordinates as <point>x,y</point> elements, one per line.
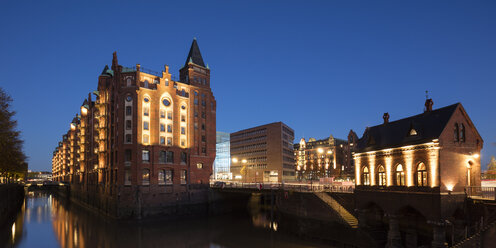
<point>146,144</point>
<point>411,175</point>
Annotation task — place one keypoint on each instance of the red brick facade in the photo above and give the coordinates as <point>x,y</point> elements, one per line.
<point>146,140</point>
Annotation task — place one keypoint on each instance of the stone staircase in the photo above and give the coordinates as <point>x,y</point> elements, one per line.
<point>346,216</point>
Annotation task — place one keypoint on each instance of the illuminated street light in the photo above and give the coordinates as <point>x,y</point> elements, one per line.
<point>476,155</point>
<point>234,160</point>
<point>320,150</point>
<point>243,161</point>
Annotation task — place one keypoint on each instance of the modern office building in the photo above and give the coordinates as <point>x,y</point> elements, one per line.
<point>319,159</point>
<point>222,163</point>
<point>263,154</point>
<point>146,144</point>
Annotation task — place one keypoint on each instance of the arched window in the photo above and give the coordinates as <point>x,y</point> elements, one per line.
<point>145,177</point>
<point>456,133</point>
<point>146,84</point>
<point>128,82</point>
<point>365,176</point>
<point>381,176</point>
<point>421,175</point>
<point>462,133</point>
<point>400,176</point>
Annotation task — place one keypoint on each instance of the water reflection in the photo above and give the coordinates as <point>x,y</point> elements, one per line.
<point>47,221</point>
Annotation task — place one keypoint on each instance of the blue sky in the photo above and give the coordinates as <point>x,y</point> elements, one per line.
<point>322,67</point>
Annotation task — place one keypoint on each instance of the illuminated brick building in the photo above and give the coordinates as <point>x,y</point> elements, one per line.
<point>263,154</point>
<point>411,175</point>
<point>324,158</point>
<point>146,140</point>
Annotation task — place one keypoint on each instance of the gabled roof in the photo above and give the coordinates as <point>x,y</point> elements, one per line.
<point>194,55</point>
<point>428,126</point>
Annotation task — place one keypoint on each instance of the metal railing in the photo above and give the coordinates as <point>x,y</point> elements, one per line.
<point>299,187</point>
<point>481,193</point>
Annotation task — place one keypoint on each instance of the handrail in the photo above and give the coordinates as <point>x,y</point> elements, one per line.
<point>298,187</point>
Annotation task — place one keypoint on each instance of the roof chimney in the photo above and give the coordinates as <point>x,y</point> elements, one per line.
<point>386,118</point>
<point>428,105</point>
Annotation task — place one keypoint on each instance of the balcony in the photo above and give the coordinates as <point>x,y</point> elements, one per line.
<point>481,193</point>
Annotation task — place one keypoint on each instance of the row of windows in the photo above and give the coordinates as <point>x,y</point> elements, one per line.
<point>165,177</point>
<point>250,153</point>
<point>251,133</point>
<point>254,146</point>
<point>398,176</point>
<point>255,139</point>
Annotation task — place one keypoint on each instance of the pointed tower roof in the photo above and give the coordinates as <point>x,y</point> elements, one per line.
<point>194,55</point>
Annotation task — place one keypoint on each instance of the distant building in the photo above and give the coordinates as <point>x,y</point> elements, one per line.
<point>412,175</point>
<point>263,154</point>
<point>317,159</point>
<point>39,176</point>
<point>222,163</point>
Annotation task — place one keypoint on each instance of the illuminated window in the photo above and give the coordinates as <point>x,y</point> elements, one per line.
<point>169,128</point>
<point>400,176</point>
<point>161,177</point>
<point>162,127</point>
<point>169,141</point>
<point>169,115</point>
<point>413,132</point>
<point>421,175</point>
<point>127,178</point>
<point>365,176</point>
<point>145,177</point>
<point>145,156</point>
<point>162,114</point>
<point>162,140</point>
<point>381,176</point>
<point>199,165</point>
<point>456,133</point>
<point>168,176</point>
<point>183,176</point>
<point>146,125</point>
<point>146,138</point>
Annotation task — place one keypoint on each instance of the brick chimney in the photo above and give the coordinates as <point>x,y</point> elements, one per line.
<point>386,118</point>
<point>428,105</point>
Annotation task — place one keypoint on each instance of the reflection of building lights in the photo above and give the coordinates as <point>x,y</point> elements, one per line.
<point>13,231</point>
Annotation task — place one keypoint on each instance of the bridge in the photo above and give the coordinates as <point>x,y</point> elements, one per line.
<point>295,187</point>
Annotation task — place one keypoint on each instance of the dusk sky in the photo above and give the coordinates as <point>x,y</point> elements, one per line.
<point>321,67</point>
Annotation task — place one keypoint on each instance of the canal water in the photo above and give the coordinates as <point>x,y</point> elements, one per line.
<point>47,221</point>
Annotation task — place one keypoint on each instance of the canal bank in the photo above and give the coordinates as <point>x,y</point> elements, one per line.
<point>12,196</point>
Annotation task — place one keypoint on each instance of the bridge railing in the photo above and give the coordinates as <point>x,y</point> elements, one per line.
<point>481,193</point>
<point>299,187</point>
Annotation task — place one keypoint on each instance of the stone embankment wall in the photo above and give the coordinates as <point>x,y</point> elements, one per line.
<point>12,196</point>
<point>306,215</point>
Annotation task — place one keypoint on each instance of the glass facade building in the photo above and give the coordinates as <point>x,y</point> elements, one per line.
<point>222,163</point>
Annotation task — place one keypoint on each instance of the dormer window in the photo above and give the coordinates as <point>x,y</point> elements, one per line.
<point>413,132</point>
